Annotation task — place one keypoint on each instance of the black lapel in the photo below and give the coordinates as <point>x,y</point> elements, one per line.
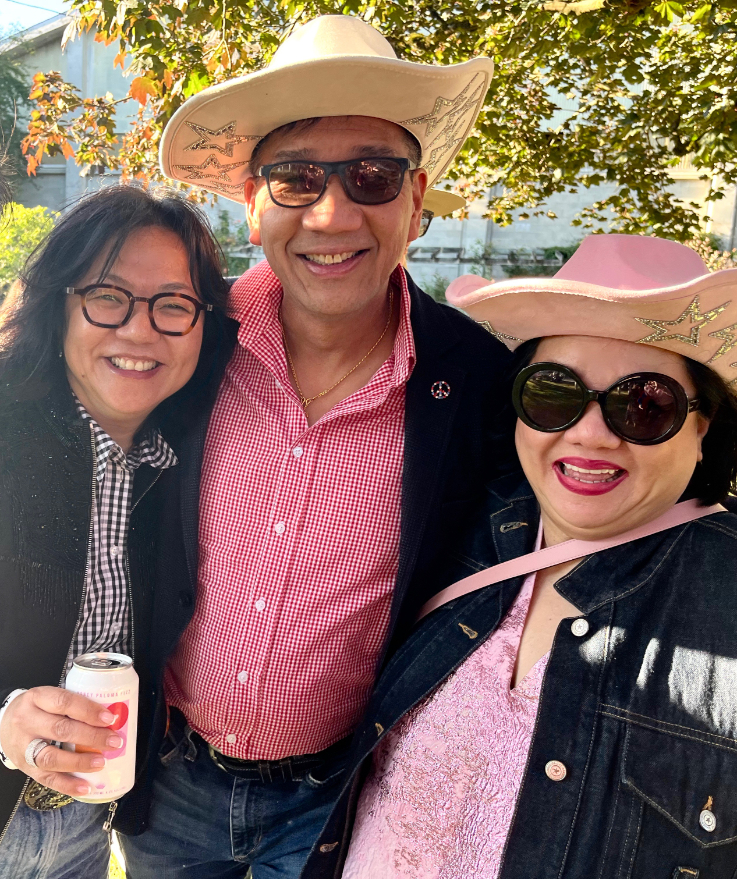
<point>190,463</point>
<point>428,425</point>
<point>191,446</point>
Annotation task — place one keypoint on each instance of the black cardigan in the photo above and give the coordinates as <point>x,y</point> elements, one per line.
<point>46,473</point>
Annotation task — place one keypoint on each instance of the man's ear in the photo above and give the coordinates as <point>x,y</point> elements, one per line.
<point>419,187</point>
<point>252,216</point>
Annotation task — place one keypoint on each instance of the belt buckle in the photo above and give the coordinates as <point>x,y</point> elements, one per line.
<point>43,799</point>
<point>215,757</point>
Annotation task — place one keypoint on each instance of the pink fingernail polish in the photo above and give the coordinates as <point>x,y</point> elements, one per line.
<point>98,762</point>
<point>114,742</point>
<point>107,717</point>
<point>83,788</point>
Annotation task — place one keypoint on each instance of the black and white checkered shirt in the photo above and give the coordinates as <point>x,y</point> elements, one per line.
<point>105,624</point>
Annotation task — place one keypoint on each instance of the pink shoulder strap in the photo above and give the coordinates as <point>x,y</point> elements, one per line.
<point>679,514</point>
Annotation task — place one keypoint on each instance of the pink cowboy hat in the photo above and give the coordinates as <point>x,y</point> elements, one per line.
<point>628,287</point>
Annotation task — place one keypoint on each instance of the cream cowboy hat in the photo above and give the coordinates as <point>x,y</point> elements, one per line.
<point>335,65</point>
<point>629,287</point>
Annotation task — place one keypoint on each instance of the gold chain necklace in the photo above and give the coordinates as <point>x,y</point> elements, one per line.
<point>305,401</point>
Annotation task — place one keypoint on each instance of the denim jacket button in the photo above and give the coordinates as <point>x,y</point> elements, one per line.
<point>580,627</point>
<point>707,819</point>
<point>555,770</point>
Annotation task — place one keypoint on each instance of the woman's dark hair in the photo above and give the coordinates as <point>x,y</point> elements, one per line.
<point>32,321</point>
<point>716,475</point>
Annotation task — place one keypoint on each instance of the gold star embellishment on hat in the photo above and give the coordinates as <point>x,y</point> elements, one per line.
<point>455,109</point>
<point>222,171</point>
<point>697,320</point>
<point>208,138</point>
<point>730,340</point>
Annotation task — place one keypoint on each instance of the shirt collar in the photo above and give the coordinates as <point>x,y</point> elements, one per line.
<point>255,299</point>
<point>151,449</point>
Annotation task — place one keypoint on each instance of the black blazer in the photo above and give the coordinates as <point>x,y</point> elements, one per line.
<point>450,453</point>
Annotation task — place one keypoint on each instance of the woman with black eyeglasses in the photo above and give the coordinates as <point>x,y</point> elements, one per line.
<point>116,334</point>
<point>567,704</point>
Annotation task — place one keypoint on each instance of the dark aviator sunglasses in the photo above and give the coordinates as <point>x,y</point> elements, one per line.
<point>370,181</point>
<point>645,408</point>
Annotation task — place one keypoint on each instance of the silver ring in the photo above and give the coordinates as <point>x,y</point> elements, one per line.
<point>35,746</point>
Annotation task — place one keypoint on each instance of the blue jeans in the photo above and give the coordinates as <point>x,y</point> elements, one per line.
<point>66,843</point>
<point>208,824</point>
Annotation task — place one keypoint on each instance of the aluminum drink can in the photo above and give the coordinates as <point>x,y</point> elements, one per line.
<point>111,680</point>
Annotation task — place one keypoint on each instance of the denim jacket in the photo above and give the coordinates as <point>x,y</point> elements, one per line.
<point>638,704</point>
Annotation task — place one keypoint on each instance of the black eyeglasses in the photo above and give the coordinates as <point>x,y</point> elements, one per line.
<point>366,181</point>
<point>427,218</point>
<point>645,408</point>
<point>110,307</point>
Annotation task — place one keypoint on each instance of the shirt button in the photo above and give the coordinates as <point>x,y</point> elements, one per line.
<point>231,739</point>
<point>707,819</point>
<point>297,451</point>
<point>580,627</point>
<point>114,550</point>
<point>242,677</point>
<point>280,528</point>
<point>259,605</point>
<point>555,770</point>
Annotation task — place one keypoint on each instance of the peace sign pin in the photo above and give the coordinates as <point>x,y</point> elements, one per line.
<point>440,390</point>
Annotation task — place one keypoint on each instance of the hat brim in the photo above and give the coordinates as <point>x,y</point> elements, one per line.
<point>209,140</point>
<point>697,319</point>
<point>442,203</point>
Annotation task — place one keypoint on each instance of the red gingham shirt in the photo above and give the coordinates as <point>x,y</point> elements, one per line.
<point>298,545</point>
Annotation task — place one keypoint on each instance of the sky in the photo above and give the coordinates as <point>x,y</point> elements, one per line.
<point>16,15</point>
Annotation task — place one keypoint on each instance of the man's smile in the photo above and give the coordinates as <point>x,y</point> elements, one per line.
<point>329,259</point>
<point>332,264</point>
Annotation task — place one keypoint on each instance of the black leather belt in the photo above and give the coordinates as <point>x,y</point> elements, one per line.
<point>286,769</point>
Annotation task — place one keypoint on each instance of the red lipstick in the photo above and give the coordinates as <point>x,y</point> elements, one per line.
<point>588,477</point>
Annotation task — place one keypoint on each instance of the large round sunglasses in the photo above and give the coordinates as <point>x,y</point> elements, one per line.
<point>110,307</point>
<point>644,408</point>
<point>369,181</point>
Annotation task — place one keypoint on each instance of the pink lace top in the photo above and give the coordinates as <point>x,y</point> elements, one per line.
<point>440,799</point>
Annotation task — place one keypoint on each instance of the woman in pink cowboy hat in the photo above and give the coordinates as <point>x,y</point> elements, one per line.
<point>568,706</point>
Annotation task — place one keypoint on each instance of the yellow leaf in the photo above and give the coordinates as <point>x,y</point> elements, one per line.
<point>141,88</point>
<point>168,78</point>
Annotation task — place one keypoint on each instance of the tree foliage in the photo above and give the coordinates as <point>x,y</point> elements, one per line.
<point>13,104</point>
<point>21,231</point>
<point>585,92</point>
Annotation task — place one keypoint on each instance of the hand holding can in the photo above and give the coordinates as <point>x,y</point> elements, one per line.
<point>50,714</point>
<point>110,680</point>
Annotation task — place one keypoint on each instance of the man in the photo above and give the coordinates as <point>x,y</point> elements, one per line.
<point>348,438</point>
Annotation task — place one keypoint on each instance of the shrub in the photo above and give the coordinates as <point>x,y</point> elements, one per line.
<point>21,230</point>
